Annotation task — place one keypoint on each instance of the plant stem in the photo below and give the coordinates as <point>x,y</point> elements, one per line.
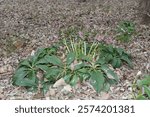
<point>66,45</point>
<point>84,48</point>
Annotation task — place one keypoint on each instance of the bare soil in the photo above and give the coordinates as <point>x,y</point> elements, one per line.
<point>26,25</point>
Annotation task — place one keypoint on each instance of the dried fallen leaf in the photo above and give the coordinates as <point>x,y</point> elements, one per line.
<point>1,96</point>
<point>1,90</point>
<point>148,67</point>
<point>38,95</point>
<point>9,68</point>
<point>47,98</point>
<point>3,69</point>
<point>105,96</point>
<point>47,95</point>
<point>52,92</point>
<point>118,72</point>
<point>12,98</point>
<point>122,89</point>
<point>73,64</point>
<point>40,75</point>
<point>18,43</point>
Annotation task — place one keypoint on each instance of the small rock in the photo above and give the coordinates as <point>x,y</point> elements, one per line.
<point>52,92</point>
<point>139,73</point>
<point>32,53</point>
<point>67,88</point>
<point>16,61</point>
<point>60,82</point>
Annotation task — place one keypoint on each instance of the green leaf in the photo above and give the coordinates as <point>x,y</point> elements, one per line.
<point>25,63</point>
<point>30,80</point>
<point>54,60</point>
<point>51,50</point>
<point>25,78</point>
<point>106,87</point>
<point>109,57</point>
<point>44,68</point>
<point>79,66</point>
<point>110,48</point>
<point>127,60</point>
<point>53,73</point>
<point>147,91</point>
<point>74,80</point>
<point>110,73</point>
<point>45,86</point>
<point>147,76</point>
<point>145,81</point>
<point>67,78</point>
<point>70,58</point>
<point>83,76</point>
<point>97,80</point>
<point>38,55</point>
<point>101,61</point>
<point>84,58</point>
<point>120,51</point>
<point>83,70</point>
<point>112,81</point>
<point>116,63</point>
<point>141,97</point>
<point>42,61</point>
<point>115,56</point>
<point>19,75</point>
<point>41,52</point>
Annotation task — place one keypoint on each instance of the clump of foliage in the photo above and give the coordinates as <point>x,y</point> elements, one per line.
<point>74,59</point>
<point>115,56</point>
<point>125,30</point>
<point>83,63</point>
<point>142,88</point>
<point>26,74</point>
<point>75,33</point>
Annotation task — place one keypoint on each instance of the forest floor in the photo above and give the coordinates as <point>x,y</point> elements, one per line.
<point>26,25</point>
